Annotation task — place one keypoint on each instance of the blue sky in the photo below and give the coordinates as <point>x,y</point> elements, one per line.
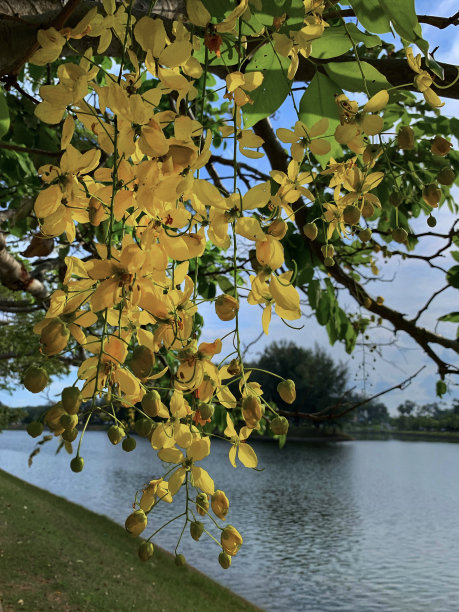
<point>411,287</point>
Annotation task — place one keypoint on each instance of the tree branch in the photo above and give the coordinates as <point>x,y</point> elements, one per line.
<point>15,277</point>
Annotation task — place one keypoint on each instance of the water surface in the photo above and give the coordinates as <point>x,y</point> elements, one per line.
<point>354,526</point>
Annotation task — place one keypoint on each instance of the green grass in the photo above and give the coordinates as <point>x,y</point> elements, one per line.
<point>55,555</point>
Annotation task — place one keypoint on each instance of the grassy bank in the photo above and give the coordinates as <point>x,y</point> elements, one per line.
<point>55,555</point>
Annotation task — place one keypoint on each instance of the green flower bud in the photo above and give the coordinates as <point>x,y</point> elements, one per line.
<point>180,560</point>
<point>196,530</point>
<point>287,391</point>
<point>206,411</point>
<point>142,362</point>
<point>151,403</point>
<point>224,559</point>
<point>71,399</point>
<point>128,444</point>
<point>35,379</point>
<point>70,435</point>
<point>68,421</point>
<point>400,235</point>
<point>143,427</point>
<point>202,504</point>
<point>351,215</point>
<point>77,464</point>
<point>136,522</point>
<point>279,426</point>
<point>146,550</point>
<point>35,429</point>
<point>115,434</point>
<point>310,231</point>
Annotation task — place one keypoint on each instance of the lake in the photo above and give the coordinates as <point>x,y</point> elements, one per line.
<point>353,526</point>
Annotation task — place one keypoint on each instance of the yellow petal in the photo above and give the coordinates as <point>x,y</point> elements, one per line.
<point>197,13</point>
<point>266,318</point>
<point>176,480</point>
<point>202,480</point>
<point>247,456</point>
<point>232,455</point>
<point>199,449</point>
<point>377,102</point>
<point>171,455</point>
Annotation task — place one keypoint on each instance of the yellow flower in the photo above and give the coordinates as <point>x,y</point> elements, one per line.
<point>244,452</point>
<point>156,490</point>
<point>303,137</point>
<point>199,477</point>
<point>238,83</point>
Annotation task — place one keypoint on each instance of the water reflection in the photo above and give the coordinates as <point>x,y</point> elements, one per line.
<point>352,527</point>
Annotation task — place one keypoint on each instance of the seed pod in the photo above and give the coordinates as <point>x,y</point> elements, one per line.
<point>35,429</point>
<point>35,379</point>
<point>224,559</point>
<point>54,337</point>
<point>136,522</point>
<point>142,362</point>
<point>71,399</point>
<point>279,426</point>
<point>405,138</point>
<point>77,464</point>
<point>146,550</point>
<point>226,307</point>
<point>310,231</point>
<point>196,530</point>
<point>128,444</point>
<point>115,434</point>
<point>287,391</point>
<point>351,215</point>
<point>400,235</point>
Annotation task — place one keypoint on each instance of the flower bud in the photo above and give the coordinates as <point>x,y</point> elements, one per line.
<point>143,427</point>
<point>446,176</point>
<point>128,444</point>
<point>310,231</point>
<point>68,421</point>
<point>365,235</point>
<point>405,138</point>
<point>206,411</point>
<point>440,146</point>
<point>35,429</point>
<point>252,411</point>
<point>395,198</point>
<point>196,530</point>
<point>77,464</point>
<point>367,210</point>
<point>115,434</point>
<point>142,362</point>
<point>351,215</point>
<point>231,540</point>
<point>431,195</point>
<point>71,399</point>
<point>278,228</point>
<point>136,522</point>
<point>226,307</point>
<point>431,221</point>
<point>151,403</point>
<point>328,250</point>
<point>52,418</point>
<point>70,435</point>
<point>146,550</point>
<point>35,379</point>
<point>202,504</point>
<point>234,367</point>
<point>400,235</point>
<point>54,337</point>
<point>287,391</point>
<point>279,426</point>
<point>220,504</point>
<point>224,559</point>
<point>180,560</point>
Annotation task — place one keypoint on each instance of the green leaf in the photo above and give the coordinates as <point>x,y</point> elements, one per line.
<point>452,277</point>
<point>323,309</point>
<point>348,76</point>
<point>371,16</point>
<point>335,41</point>
<point>4,114</point>
<point>319,101</point>
<point>452,317</point>
<point>405,21</point>
<point>275,87</point>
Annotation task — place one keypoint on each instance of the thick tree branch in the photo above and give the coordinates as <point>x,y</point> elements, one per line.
<point>15,277</point>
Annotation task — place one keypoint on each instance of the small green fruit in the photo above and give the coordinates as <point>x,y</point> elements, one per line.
<point>77,464</point>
